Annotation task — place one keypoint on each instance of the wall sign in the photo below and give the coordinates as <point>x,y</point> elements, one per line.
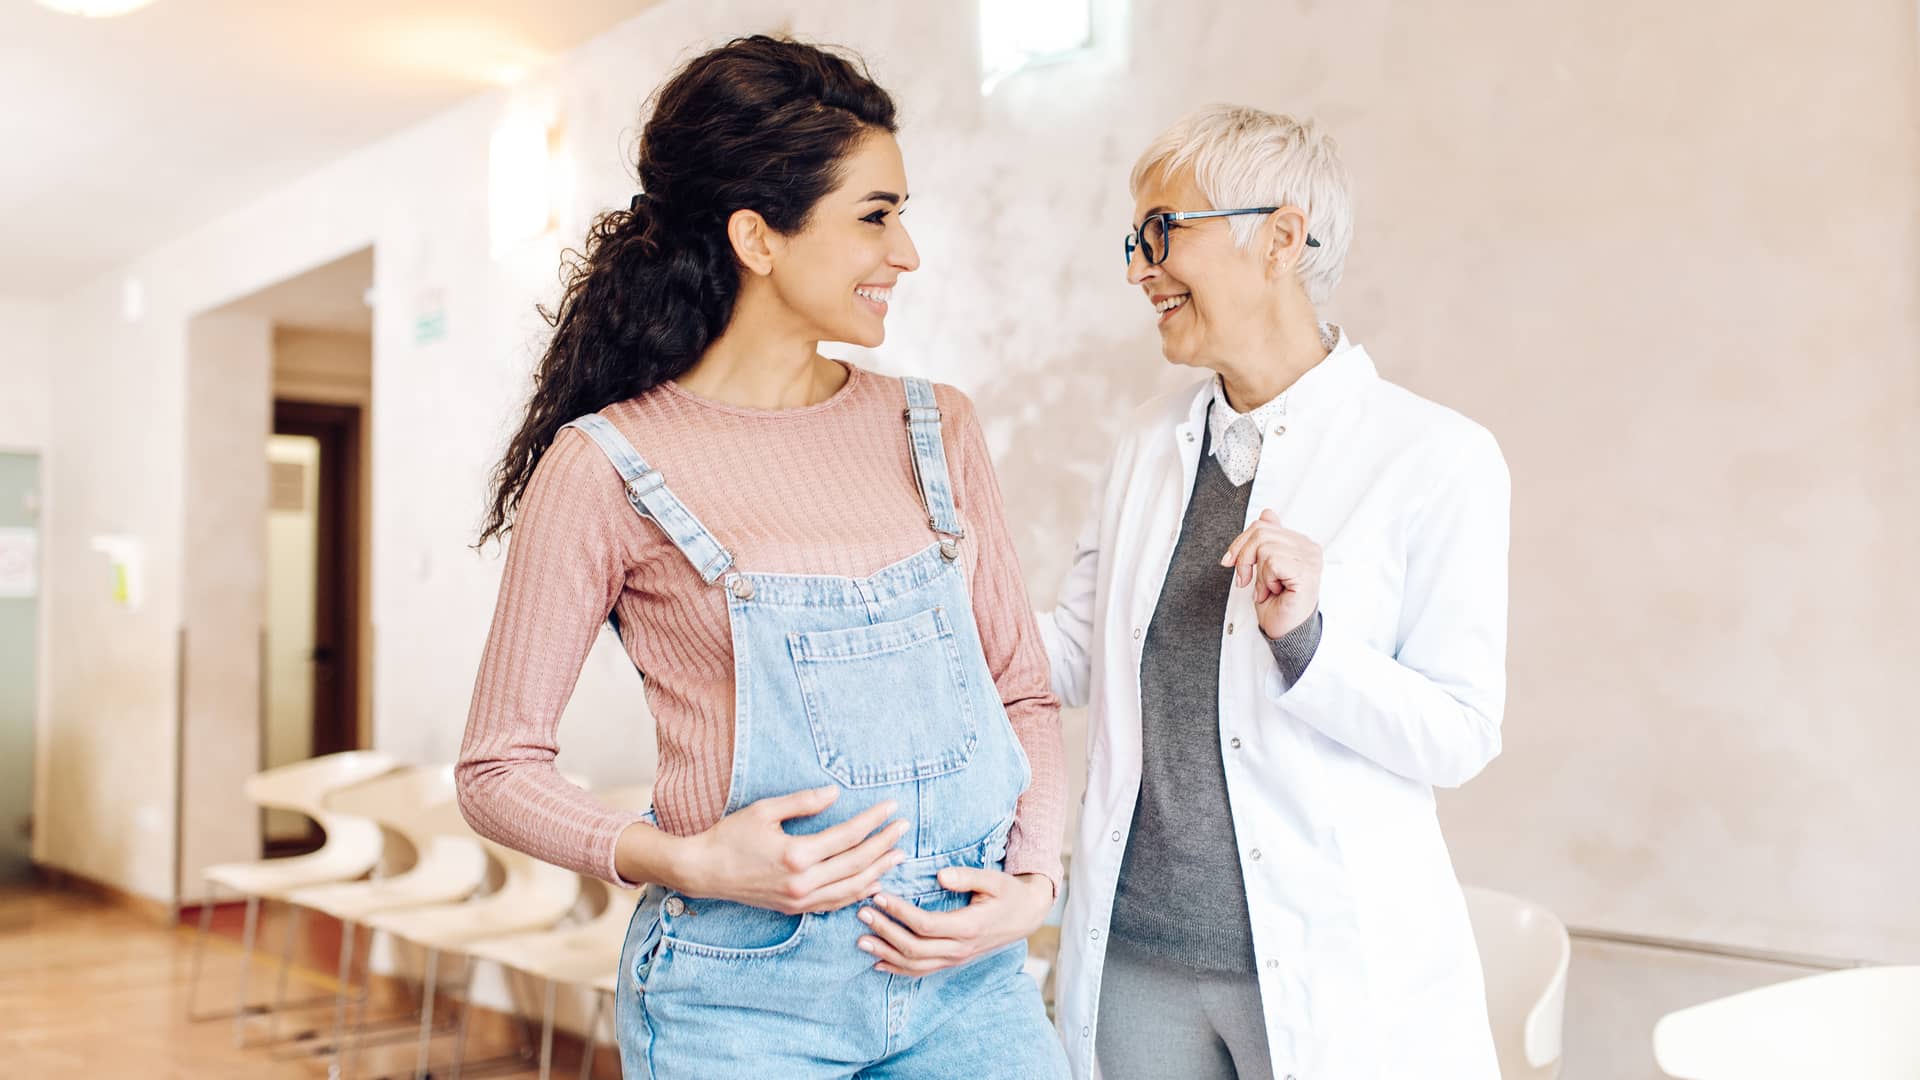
<point>19,563</point>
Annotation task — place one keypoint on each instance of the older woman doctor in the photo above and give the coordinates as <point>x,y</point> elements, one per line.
<point>1289,618</point>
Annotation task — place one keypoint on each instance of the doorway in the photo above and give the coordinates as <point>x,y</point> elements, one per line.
<point>312,647</point>
<point>19,625</point>
<point>275,663</point>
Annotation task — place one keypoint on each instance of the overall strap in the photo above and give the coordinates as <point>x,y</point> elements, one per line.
<point>930,458</point>
<point>650,497</point>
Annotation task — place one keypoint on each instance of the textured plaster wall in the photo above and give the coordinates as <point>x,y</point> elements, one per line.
<point>1668,253</point>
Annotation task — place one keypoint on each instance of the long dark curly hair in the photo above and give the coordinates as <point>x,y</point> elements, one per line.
<point>760,123</point>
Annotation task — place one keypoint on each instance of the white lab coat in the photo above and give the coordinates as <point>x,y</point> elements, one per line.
<point>1367,964</point>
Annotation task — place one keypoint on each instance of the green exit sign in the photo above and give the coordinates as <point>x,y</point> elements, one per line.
<point>430,318</point>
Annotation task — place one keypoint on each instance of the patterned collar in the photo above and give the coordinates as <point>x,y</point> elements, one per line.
<point>1221,417</point>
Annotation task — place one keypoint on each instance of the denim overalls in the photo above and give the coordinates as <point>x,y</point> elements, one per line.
<point>877,684</point>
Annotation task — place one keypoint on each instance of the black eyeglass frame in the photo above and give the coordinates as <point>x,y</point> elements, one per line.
<point>1137,239</point>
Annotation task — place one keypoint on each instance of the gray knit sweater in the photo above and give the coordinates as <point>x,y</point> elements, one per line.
<point>1181,897</point>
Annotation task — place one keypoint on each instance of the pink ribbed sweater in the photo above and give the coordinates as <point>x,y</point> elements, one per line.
<point>826,489</point>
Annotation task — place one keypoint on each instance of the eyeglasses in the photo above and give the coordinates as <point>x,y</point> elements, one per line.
<point>1151,236</point>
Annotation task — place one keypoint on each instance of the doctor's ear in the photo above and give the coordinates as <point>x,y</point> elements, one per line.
<point>1286,238</point>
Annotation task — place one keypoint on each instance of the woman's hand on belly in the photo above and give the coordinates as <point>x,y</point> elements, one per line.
<point>748,858</point>
<point>909,941</point>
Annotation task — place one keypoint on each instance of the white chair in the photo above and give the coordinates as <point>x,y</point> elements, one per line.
<point>1857,1024</point>
<point>419,805</point>
<point>351,848</point>
<point>585,955</point>
<point>532,896</point>
<point>1524,951</point>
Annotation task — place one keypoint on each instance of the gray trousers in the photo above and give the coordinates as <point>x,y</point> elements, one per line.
<point>1159,1021</point>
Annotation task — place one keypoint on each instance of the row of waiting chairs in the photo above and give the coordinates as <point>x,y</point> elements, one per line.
<point>462,896</point>
<point>443,904</point>
<point>437,905</point>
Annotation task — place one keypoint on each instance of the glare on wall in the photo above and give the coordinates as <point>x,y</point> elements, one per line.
<point>1015,33</point>
<point>519,204</point>
<point>95,9</point>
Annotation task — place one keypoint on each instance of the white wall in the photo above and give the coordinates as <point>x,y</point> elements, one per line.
<point>1667,254</point>
<point>230,362</point>
<point>25,356</point>
<point>117,468</point>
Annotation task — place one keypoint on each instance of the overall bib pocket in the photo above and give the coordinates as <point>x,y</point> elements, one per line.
<point>886,703</point>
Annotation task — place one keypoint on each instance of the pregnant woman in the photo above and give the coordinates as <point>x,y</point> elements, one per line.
<point>808,563</point>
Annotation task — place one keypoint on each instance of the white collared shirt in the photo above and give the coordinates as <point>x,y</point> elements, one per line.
<point>1236,445</point>
<point>1359,926</point>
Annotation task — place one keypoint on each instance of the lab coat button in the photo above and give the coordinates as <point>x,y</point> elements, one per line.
<point>1229,628</point>
<point>1116,836</point>
<point>1254,854</point>
<point>1136,633</point>
<point>1094,934</point>
<point>1234,742</point>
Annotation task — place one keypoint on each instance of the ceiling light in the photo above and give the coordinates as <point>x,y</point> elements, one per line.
<point>94,9</point>
<point>519,167</point>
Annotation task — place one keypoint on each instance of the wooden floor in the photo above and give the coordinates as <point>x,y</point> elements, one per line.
<point>91,989</point>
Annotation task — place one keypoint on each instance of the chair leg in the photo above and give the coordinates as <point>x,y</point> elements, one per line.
<point>546,1035</point>
<point>426,1017</point>
<point>460,1030</point>
<point>286,965</point>
<point>342,980</point>
<point>246,965</point>
<point>523,1046</point>
<point>359,1023</point>
<point>200,954</point>
<point>593,1036</point>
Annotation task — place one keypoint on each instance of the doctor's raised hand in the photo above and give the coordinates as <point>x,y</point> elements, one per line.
<point>1283,567</point>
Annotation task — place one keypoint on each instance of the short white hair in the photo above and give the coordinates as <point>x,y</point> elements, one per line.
<point>1247,157</point>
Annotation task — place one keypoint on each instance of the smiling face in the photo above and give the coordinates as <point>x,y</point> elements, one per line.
<point>837,273</point>
<point>1209,295</point>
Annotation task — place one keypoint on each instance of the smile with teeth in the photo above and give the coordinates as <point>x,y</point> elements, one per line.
<point>878,296</point>
<point>1171,303</point>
